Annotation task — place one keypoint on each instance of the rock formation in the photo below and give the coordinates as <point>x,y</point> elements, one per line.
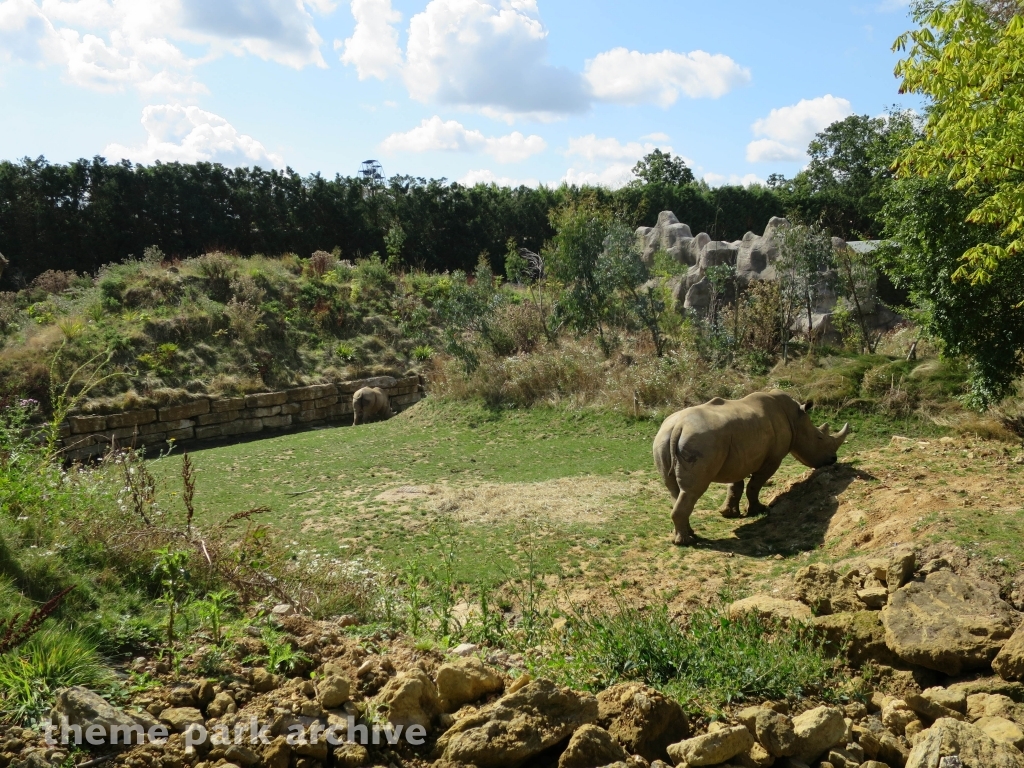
<point>753,257</point>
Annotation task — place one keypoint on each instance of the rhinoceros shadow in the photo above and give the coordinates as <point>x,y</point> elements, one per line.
<point>798,516</point>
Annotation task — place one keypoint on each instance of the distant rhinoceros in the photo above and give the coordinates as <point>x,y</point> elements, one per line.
<point>369,404</point>
<point>726,441</point>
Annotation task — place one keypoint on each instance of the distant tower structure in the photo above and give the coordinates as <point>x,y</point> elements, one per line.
<point>373,172</point>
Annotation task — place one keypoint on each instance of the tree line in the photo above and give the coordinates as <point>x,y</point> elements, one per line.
<point>81,215</point>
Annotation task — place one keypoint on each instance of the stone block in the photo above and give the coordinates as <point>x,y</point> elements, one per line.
<point>181,434</point>
<point>302,393</point>
<point>184,411</point>
<point>338,411</point>
<point>402,400</point>
<point>131,418</point>
<point>314,414</point>
<point>82,424</point>
<point>217,418</point>
<point>80,441</point>
<point>64,430</point>
<point>227,404</point>
<point>86,452</point>
<point>210,432</point>
<point>151,439</point>
<point>323,402</point>
<point>242,427</point>
<point>290,409</point>
<point>276,422</point>
<point>264,411</point>
<point>266,399</point>
<point>122,435</point>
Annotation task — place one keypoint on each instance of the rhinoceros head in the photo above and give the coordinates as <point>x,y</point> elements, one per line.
<point>813,446</point>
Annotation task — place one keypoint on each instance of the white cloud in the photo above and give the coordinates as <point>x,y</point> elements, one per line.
<point>373,48</point>
<point>631,77</point>
<point>117,44</point>
<point>592,148</point>
<point>732,180</point>
<point>491,55</point>
<point>435,134</point>
<point>472,53</point>
<point>26,34</point>
<point>484,176</point>
<point>189,135</point>
<point>788,130</point>
<point>613,176</point>
<point>661,138</point>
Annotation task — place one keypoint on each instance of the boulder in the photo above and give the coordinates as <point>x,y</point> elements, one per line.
<point>930,709</point>
<point>992,685</point>
<point>333,691</point>
<point>1002,730</point>
<point>1009,662</point>
<point>591,747</point>
<point>775,733</point>
<point>712,748</point>
<point>770,609</point>
<point>410,699</point>
<point>518,726</point>
<point>277,754</point>
<point>264,681</point>
<point>817,731</point>
<point>223,704</point>
<point>900,570</point>
<point>827,591</point>
<point>178,719</point>
<point>756,757</point>
<point>974,747</point>
<point>981,705</point>
<point>641,719</point>
<point>950,698</point>
<point>873,597</point>
<point>947,623</point>
<point>860,634</point>
<point>464,681</point>
<point>897,715</point>
<point>80,706</point>
<point>350,755</point>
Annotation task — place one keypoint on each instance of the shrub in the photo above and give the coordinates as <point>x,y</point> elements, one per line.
<point>320,262</point>
<point>244,288</point>
<point>217,270</point>
<point>8,310</point>
<point>54,658</point>
<point>54,281</point>
<point>707,660</point>
<point>244,320</point>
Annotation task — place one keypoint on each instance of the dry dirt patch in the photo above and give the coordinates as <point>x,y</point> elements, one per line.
<point>563,501</point>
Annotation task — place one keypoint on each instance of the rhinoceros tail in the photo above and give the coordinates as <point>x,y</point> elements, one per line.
<point>673,447</point>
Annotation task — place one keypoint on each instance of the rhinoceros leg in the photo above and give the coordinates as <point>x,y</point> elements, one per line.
<point>681,511</point>
<point>757,481</point>
<point>732,501</point>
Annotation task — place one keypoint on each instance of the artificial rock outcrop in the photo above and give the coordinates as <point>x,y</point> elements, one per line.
<point>754,258</point>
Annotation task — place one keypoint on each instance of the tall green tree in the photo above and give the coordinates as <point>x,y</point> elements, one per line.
<point>969,63</point>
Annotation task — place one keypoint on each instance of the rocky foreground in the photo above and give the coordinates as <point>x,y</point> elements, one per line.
<point>935,660</point>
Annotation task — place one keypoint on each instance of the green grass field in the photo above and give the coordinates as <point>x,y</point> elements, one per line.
<point>574,491</point>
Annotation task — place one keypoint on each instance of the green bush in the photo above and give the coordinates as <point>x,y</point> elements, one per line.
<point>707,662</point>
<point>54,658</point>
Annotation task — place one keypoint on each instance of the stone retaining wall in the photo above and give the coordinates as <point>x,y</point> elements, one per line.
<point>85,436</point>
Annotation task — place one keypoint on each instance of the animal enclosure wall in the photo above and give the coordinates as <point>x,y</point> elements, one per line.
<point>204,418</point>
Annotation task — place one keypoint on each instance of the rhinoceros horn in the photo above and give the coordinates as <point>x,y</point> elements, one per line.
<point>840,436</point>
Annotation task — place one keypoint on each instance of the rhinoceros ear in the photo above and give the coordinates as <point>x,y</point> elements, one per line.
<point>806,407</point>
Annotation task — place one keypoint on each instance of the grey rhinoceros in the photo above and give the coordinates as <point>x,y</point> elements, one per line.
<point>726,441</point>
<point>370,403</point>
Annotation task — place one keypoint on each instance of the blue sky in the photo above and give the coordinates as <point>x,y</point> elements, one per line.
<point>533,91</point>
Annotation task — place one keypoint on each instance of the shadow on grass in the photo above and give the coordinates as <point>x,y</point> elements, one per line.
<point>798,518</point>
